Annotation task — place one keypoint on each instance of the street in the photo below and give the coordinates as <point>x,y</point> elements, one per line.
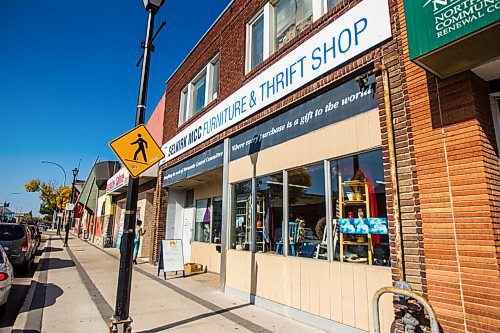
<point>73,290</point>
<point>18,292</point>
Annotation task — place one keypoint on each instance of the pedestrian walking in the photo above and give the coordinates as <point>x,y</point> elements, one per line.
<point>139,232</point>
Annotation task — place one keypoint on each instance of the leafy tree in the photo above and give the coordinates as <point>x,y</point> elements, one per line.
<point>53,198</point>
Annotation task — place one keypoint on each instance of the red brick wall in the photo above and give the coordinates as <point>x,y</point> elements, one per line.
<point>458,175</point>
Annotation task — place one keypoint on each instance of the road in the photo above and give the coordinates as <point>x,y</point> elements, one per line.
<point>18,292</point>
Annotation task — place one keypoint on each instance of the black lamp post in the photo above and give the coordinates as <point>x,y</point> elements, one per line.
<point>121,316</point>
<point>70,214</point>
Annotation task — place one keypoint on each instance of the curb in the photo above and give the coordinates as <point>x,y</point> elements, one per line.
<point>22,321</point>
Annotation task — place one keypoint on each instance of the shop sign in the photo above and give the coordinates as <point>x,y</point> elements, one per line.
<point>337,104</point>
<point>435,23</point>
<point>207,160</point>
<point>361,28</point>
<point>118,180</point>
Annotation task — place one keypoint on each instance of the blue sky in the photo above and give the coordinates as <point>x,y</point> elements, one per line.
<point>68,81</point>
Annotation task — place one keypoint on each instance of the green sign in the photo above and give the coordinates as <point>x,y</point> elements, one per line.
<point>432,24</point>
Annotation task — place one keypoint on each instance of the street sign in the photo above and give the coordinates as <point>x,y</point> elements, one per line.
<point>70,206</point>
<point>137,150</point>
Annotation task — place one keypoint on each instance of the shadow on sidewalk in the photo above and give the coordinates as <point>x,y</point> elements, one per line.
<point>190,320</point>
<point>55,263</point>
<point>45,295</point>
<point>53,249</point>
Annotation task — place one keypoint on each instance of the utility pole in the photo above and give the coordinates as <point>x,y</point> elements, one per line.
<point>121,316</point>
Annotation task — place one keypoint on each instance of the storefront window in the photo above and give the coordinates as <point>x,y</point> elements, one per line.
<point>202,223</point>
<point>269,213</point>
<point>359,203</point>
<point>216,220</point>
<point>241,230</point>
<point>306,209</point>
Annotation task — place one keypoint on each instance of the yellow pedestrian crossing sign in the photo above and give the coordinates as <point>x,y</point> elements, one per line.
<point>137,150</point>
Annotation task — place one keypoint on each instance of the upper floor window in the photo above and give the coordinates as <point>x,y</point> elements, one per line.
<point>200,91</point>
<point>291,17</point>
<point>277,23</point>
<point>332,3</point>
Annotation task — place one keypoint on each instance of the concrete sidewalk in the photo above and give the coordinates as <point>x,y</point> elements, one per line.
<point>75,290</point>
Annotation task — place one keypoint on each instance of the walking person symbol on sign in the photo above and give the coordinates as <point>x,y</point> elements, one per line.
<point>137,150</point>
<point>140,142</point>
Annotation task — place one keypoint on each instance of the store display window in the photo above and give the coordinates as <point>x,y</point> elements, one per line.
<point>306,210</point>
<point>241,228</point>
<point>216,220</point>
<point>208,220</point>
<point>269,213</point>
<point>359,209</point>
<point>202,222</point>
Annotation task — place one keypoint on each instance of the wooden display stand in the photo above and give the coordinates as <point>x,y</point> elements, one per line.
<point>359,199</point>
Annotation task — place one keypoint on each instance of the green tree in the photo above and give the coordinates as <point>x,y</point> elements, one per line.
<point>53,198</point>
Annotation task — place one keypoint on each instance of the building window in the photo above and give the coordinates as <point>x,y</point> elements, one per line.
<point>359,209</point>
<point>200,91</point>
<point>216,220</point>
<point>241,230</point>
<point>278,22</point>
<point>306,209</point>
<point>291,17</point>
<point>256,31</point>
<point>208,221</point>
<point>269,230</point>
<point>332,3</point>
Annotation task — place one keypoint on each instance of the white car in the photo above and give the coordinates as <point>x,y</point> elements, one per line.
<point>6,277</point>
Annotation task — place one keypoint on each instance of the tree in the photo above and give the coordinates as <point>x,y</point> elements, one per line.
<point>53,198</point>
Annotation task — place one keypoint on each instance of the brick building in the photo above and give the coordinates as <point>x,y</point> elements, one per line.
<point>311,162</point>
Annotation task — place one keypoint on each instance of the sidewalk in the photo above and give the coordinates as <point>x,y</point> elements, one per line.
<point>75,291</point>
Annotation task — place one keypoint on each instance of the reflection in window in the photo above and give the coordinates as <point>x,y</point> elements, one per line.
<point>333,3</point>
<point>306,209</point>
<point>202,222</point>
<point>241,230</point>
<point>257,46</point>
<point>216,220</point>
<point>269,212</point>
<point>199,94</point>
<point>359,202</point>
<point>291,17</point>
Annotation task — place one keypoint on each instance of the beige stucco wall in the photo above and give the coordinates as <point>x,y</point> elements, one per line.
<point>342,292</point>
<point>207,255</point>
<point>346,137</point>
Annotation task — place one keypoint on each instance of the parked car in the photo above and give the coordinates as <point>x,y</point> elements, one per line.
<point>6,277</point>
<point>18,244</point>
<point>36,234</point>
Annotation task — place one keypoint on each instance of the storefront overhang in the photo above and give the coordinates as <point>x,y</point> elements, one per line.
<point>209,159</point>
<point>450,36</point>
<point>118,183</point>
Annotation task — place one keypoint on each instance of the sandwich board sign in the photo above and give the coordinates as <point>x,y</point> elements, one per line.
<point>137,150</point>
<point>171,258</point>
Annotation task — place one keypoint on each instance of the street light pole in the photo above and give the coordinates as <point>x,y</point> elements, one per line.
<point>48,162</point>
<point>72,198</point>
<point>121,316</point>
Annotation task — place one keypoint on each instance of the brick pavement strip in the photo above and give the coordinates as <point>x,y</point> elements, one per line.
<point>80,285</point>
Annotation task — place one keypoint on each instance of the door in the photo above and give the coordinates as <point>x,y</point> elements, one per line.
<point>187,229</point>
